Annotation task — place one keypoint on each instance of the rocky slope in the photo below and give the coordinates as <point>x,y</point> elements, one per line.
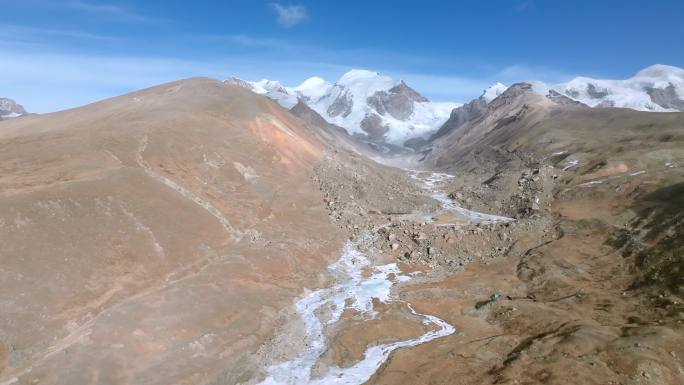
<point>10,109</point>
<point>597,297</point>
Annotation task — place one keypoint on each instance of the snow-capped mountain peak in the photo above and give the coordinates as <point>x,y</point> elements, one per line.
<point>382,108</point>
<point>313,88</point>
<point>491,92</point>
<point>655,88</point>
<point>10,109</point>
<point>366,81</point>
<point>661,71</point>
<point>266,85</point>
<point>363,102</point>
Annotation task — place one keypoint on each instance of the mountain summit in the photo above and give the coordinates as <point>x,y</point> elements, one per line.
<point>365,103</point>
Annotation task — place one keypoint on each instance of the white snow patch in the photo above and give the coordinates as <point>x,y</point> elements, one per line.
<point>571,163</point>
<point>430,183</point>
<point>247,172</point>
<point>588,184</point>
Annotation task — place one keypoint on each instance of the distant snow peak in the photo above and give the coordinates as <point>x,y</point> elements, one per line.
<point>10,109</point>
<point>364,77</point>
<point>313,88</point>
<point>656,88</point>
<point>271,88</point>
<point>491,92</point>
<point>660,71</point>
<point>238,82</point>
<point>363,102</point>
<point>384,109</point>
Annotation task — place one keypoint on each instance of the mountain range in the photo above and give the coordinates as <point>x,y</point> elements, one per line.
<point>364,103</point>
<point>658,88</point>
<point>385,110</point>
<point>197,232</point>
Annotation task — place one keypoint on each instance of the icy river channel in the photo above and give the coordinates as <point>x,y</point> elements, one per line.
<point>355,289</point>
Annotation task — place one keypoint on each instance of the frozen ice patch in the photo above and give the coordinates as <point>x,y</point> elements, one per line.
<point>572,163</point>
<point>430,183</point>
<point>589,184</point>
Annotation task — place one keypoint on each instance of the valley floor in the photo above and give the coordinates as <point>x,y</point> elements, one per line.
<point>548,296</point>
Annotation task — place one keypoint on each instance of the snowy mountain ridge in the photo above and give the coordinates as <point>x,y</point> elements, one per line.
<point>658,88</point>
<point>384,109</point>
<point>364,103</point>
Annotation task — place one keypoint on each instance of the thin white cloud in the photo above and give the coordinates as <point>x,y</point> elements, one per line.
<point>49,81</point>
<point>521,73</point>
<point>108,10</point>
<point>527,5</point>
<point>46,82</point>
<point>20,33</point>
<point>101,10</point>
<point>48,77</point>
<point>290,15</point>
<point>251,41</point>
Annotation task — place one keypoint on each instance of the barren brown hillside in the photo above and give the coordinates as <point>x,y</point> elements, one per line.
<point>156,237</point>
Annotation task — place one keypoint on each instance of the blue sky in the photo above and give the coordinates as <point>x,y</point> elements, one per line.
<point>57,54</point>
